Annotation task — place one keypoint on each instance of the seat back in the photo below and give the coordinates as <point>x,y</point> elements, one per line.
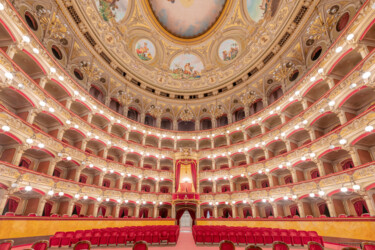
<point>40,245</point>
<point>312,245</point>
<point>226,245</point>
<point>82,245</point>
<point>6,244</point>
<point>252,247</point>
<point>140,245</point>
<point>367,246</point>
<point>279,245</point>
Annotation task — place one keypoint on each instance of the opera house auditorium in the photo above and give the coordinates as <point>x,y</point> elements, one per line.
<point>187,124</point>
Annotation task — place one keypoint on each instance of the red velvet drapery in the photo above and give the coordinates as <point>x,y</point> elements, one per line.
<point>359,205</point>
<point>347,164</point>
<point>123,212</point>
<point>78,209</point>
<point>143,213</point>
<point>314,174</point>
<point>179,215</point>
<point>293,210</point>
<point>193,166</point>
<point>12,205</point>
<point>47,209</point>
<point>268,210</point>
<point>102,211</point>
<point>322,208</point>
<point>192,215</point>
<point>205,213</point>
<point>247,212</point>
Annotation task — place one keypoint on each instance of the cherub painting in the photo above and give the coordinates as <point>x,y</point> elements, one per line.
<point>186,66</point>
<point>145,50</point>
<point>228,50</point>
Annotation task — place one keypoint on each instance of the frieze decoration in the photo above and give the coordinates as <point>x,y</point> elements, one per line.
<point>33,178</point>
<point>206,197</point>
<point>9,172</point>
<point>91,190</point>
<point>112,193</point>
<point>222,197</point>
<point>364,173</point>
<point>67,186</point>
<point>304,188</point>
<point>334,180</point>
<point>279,191</point>
<point>131,196</point>
<point>257,195</point>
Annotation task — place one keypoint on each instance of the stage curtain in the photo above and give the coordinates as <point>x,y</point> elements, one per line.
<point>177,179</point>
<point>179,215</point>
<point>192,215</point>
<point>322,208</point>
<point>12,205</point>
<point>194,174</point>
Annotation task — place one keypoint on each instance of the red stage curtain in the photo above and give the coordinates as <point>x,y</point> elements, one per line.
<point>294,209</point>
<point>47,209</point>
<point>178,175</point>
<point>194,173</point>
<point>359,205</point>
<point>192,215</point>
<point>12,205</point>
<point>179,215</point>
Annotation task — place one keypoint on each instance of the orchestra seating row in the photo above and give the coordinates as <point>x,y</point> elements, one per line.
<point>256,235</point>
<point>117,236</point>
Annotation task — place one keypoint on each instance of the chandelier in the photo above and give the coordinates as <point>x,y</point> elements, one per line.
<point>92,73</point>
<point>186,114</point>
<point>124,97</point>
<point>216,110</point>
<point>248,97</point>
<point>283,71</point>
<point>155,110</point>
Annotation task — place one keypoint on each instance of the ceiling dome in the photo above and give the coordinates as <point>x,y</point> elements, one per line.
<point>187,18</point>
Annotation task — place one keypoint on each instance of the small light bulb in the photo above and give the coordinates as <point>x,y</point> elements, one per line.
<point>5,128</point>
<point>344,189</point>
<point>338,49</point>
<point>350,37</point>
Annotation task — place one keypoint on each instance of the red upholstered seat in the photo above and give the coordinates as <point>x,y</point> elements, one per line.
<point>122,238</point>
<point>207,236</point>
<point>215,236</point>
<point>131,236</point>
<point>140,245</point>
<point>156,236</point>
<point>253,247</point>
<point>267,237</point>
<point>278,245</point>
<point>305,237</point>
<point>86,235</point>
<point>315,237</point>
<point>258,237</point>
<point>112,240</point>
<point>104,239</point>
<point>226,245</point>
<point>365,215</point>
<point>276,236</point>
<point>82,245</point>
<point>323,216</point>
<point>241,238</point>
<point>32,215</point>
<point>6,244</point>
<point>40,245</point>
<point>312,245</point>
<point>95,238</point>
<point>296,238</point>
<point>232,236</point>
<point>67,239</point>
<point>285,237</point>
<point>249,237</point>
<point>139,235</point>
<point>10,214</point>
<point>367,246</point>
<point>55,240</point>
<point>77,237</point>
<point>148,236</point>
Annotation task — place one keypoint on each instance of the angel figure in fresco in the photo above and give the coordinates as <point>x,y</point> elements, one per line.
<point>188,69</point>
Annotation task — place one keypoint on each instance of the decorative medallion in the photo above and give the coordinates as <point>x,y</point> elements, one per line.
<point>187,18</point>
<point>186,66</point>
<point>112,9</point>
<point>145,50</point>
<point>228,50</point>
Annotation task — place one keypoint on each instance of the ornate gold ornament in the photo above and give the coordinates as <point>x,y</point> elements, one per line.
<point>216,110</point>
<point>125,98</point>
<point>155,110</point>
<point>91,72</point>
<point>283,71</point>
<point>186,114</point>
<point>248,97</point>
<point>52,25</point>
